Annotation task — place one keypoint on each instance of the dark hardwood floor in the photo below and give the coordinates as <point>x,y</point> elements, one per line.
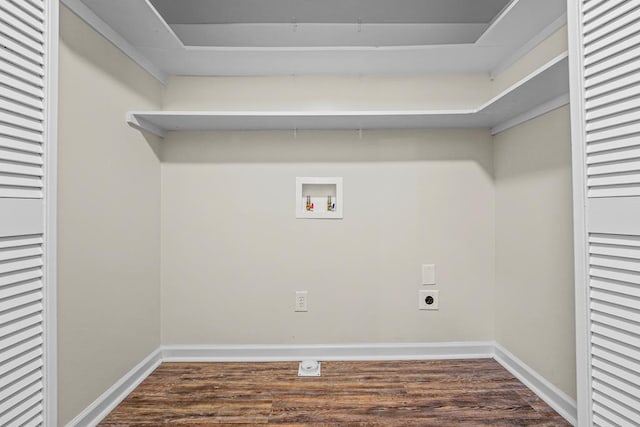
<point>401,393</point>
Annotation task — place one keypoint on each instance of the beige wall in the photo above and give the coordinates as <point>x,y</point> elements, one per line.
<point>554,45</point>
<point>327,92</point>
<point>234,254</point>
<point>109,230</point>
<point>534,250</point>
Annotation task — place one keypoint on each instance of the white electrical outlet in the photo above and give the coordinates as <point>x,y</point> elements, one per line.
<point>301,301</point>
<point>428,300</point>
<point>428,274</point>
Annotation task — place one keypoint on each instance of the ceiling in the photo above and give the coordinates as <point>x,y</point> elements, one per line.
<point>328,11</point>
<point>271,37</point>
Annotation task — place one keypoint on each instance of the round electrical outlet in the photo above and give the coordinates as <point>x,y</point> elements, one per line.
<point>428,300</point>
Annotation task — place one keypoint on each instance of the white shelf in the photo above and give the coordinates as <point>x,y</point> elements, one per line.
<point>543,90</point>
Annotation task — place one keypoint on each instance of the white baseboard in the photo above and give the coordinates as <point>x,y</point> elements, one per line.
<point>104,404</point>
<point>552,395</point>
<point>270,353</point>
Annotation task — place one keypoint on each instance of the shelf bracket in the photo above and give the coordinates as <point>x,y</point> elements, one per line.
<point>145,125</point>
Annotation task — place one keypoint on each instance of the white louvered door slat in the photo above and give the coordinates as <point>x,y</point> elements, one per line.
<point>17,133</point>
<point>25,334</point>
<point>623,154</point>
<point>20,98</point>
<point>610,53</point>
<point>22,39</point>
<point>25,84</point>
<point>20,181</point>
<point>21,109</point>
<point>615,393</point>
<point>28,66</point>
<point>607,147</point>
<point>599,39</point>
<point>12,21</point>
<point>27,400</point>
<point>29,6</point>
<point>24,80</point>
<point>609,12</point>
<point>593,9</point>
<point>28,369</point>
<point>612,97</point>
<point>20,169</point>
<point>605,61</point>
<point>21,50</point>
<point>26,157</point>
<point>26,21</point>
<point>23,122</point>
<point>623,383</point>
<point>21,384</point>
<point>610,110</point>
<point>21,70</point>
<point>21,327</point>
<point>18,146</point>
<point>37,4</point>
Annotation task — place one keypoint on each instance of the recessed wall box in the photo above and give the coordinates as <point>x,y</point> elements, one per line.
<point>319,197</point>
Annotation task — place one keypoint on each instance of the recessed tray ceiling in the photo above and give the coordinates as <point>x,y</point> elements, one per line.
<point>329,11</point>
<point>275,37</point>
<point>313,23</point>
<point>321,35</point>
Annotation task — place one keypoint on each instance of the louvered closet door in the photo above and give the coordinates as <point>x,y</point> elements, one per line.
<point>23,194</point>
<point>608,55</point>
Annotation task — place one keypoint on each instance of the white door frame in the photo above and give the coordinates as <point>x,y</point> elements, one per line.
<point>50,217</point>
<point>583,338</point>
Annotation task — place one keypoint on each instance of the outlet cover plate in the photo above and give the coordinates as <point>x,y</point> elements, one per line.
<point>428,274</point>
<point>427,295</point>
<point>301,301</point>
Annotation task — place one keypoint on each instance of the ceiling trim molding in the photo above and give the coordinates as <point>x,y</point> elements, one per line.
<point>104,29</point>
<point>530,45</point>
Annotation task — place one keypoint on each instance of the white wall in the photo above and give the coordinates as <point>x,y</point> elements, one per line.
<point>534,246</point>
<point>234,254</point>
<point>109,223</point>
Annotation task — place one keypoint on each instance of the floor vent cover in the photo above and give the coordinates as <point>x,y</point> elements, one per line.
<point>309,368</point>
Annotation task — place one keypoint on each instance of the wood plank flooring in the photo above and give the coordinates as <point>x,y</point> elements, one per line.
<point>476,392</point>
